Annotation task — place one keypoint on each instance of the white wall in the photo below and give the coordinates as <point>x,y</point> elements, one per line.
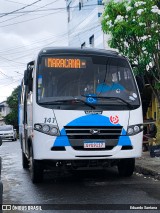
<point>84,23</point>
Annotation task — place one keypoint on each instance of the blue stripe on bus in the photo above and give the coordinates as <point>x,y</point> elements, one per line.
<point>91,120</point>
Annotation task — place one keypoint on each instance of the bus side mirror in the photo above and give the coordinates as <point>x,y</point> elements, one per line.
<point>26,77</point>
<point>0,141</point>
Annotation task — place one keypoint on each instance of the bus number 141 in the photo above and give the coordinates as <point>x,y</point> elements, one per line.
<point>49,120</point>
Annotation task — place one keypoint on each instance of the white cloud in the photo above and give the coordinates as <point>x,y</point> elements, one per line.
<point>20,42</point>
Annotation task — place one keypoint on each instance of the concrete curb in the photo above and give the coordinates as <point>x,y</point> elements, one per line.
<point>147,171</point>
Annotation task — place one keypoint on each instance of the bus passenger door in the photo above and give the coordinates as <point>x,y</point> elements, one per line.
<point>25,144</point>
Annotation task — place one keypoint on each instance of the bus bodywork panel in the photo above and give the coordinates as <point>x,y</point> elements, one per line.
<point>75,129</point>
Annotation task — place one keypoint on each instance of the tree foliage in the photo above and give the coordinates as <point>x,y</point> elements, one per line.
<point>12,101</point>
<point>134,29</point>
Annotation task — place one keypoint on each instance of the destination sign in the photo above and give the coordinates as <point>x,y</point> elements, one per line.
<point>65,63</point>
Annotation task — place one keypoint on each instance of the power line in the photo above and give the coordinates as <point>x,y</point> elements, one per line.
<point>62,36</point>
<point>11,60</point>
<point>4,74</point>
<point>28,5</point>
<point>28,20</point>
<point>49,9</point>
<point>18,72</point>
<point>61,8</point>
<point>38,48</point>
<point>33,42</point>
<point>11,83</point>
<point>28,12</point>
<point>8,81</point>
<point>15,2</point>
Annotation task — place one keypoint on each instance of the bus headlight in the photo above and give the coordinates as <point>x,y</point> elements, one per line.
<point>134,129</point>
<point>130,131</point>
<point>38,126</point>
<point>54,131</point>
<point>48,129</point>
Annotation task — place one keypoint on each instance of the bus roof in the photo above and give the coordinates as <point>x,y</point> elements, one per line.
<point>78,50</point>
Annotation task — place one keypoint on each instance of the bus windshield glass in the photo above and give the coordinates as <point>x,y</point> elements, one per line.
<point>62,77</point>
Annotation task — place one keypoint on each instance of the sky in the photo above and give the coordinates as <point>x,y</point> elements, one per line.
<point>25,28</point>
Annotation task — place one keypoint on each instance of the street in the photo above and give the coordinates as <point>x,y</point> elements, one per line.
<point>65,188</point>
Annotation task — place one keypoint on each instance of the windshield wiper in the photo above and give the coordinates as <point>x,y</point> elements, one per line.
<point>116,98</point>
<point>73,100</point>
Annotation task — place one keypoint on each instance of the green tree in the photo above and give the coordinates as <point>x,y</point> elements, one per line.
<point>12,101</point>
<point>134,29</point>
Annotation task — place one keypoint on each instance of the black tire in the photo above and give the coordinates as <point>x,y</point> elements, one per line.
<point>126,167</point>
<point>25,162</point>
<point>36,169</point>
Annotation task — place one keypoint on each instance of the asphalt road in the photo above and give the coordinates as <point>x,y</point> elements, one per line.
<point>91,191</point>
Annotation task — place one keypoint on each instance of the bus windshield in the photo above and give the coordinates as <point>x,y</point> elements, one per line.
<point>62,77</point>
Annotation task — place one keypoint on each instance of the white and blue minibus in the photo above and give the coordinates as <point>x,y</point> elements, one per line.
<point>79,109</point>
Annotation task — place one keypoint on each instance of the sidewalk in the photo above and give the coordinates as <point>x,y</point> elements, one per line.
<point>148,166</point>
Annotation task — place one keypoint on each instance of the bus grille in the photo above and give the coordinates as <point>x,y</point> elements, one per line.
<point>78,135</point>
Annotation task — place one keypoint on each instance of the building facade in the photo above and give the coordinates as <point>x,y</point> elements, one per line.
<point>84,24</point>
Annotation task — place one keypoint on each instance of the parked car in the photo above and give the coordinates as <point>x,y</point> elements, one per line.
<point>7,132</point>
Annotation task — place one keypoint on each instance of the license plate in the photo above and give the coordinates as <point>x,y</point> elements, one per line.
<point>94,145</point>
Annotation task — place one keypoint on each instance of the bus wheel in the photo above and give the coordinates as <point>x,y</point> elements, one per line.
<point>126,167</point>
<point>25,162</point>
<point>36,170</point>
